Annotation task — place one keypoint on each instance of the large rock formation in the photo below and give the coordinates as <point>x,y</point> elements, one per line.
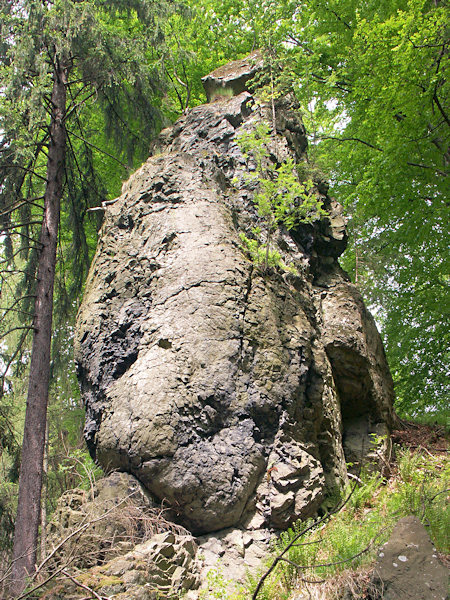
<point>233,393</point>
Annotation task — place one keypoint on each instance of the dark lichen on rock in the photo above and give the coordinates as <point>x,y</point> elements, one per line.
<point>232,394</point>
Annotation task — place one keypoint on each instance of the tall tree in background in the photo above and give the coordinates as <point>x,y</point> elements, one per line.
<point>376,72</point>
<point>57,56</point>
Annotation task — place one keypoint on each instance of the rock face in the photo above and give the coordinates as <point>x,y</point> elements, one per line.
<point>124,547</point>
<point>233,393</point>
<point>162,567</point>
<point>232,79</point>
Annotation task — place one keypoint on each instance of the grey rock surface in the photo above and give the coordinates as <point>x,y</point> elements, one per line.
<point>125,548</point>
<point>408,567</point>
<point>233,78</point>
<point>161,567</point>
<point>231,393</point>
<point>232,554</point>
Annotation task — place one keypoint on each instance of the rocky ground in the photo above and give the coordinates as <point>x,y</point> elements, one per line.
<point>434,438</point>
<point>130,550</point>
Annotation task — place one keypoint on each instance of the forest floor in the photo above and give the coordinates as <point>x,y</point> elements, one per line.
<point>432,438</point>
<point>416,482</point>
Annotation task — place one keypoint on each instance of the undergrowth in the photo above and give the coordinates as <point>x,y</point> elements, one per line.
<point>439,417</point>
<point>417,486</point>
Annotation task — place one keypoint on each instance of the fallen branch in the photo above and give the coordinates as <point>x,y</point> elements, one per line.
<point>79,530</point>
<point>338,562</point>
<point>280,557</point>
<point>40,585</point>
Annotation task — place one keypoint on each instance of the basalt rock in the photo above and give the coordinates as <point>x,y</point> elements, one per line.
<point>234,393</point>
<point>408,567</point>
<point>232,78</point>
<point>103,523</point>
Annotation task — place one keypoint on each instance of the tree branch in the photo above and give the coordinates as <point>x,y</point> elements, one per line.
<point>40,585</point>
<point>440,108</point>
<point>438,171</point>
<point>351,139</point>
<point>16,226</point>
<point>26,170</point>
<point>21,328</point>
<point>98,149</point>
<point>339,18</point>
<point>278,558</point>
<point>84,587</point>
<point>338,562</point>
<point>23,202</point>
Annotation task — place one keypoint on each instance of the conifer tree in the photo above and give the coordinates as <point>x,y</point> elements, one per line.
<point>55,57</point>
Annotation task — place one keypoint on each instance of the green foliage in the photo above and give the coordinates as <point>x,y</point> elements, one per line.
<point>259,253</point>
<point>105,54</point>
<point>199,40</point>
<point>425,480</point>
<point>281,198</point>
<point>370,78</point>
<point>8,506</point>
<point>441,417</point>
<point>351,537</point>
<point>75,469</point>
<point>220,588</point>
<point>69,463</point>
<point>362,494</point>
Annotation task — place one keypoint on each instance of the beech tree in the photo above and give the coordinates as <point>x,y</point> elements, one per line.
<point>56,58</point>
<point>372,79</point>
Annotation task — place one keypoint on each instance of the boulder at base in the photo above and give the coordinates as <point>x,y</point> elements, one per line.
<point>408,567</point>
<point>234,393</point>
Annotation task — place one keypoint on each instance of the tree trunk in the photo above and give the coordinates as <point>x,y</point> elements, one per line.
<point>31,468</point>
<point>44,496</point>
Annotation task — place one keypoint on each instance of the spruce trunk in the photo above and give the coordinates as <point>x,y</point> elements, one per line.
<point>31,468</point>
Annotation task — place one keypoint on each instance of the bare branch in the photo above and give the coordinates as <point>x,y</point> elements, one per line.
<point>339,18</point>
<point>99,149</point>
<point>84,587</point>
<point>79,530</point>
<point>21,328</point>
<point>16,226</point>
<point>438,171</point>
<point>73,108</point>
<point>351,139</point>
<point>27,237</point>
<point>26,170</point>
<point>440,108</point>
<point>40,585</point>
<point>278,558</point>
<point>23,202</point>
<point>338,562</point>
<point>301,44</point>
<point>180,100</point>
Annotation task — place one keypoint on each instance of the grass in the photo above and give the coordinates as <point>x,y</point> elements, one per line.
<point>418,486</point>
<point>340,551</point>
<point>441,418</point>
